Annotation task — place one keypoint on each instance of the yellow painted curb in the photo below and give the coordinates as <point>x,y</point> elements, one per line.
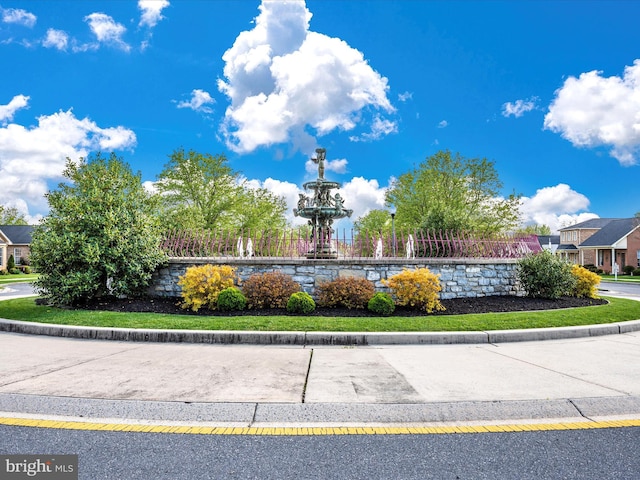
<point>308,431</point>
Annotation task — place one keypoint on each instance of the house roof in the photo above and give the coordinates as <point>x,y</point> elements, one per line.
<point>567,247</point>
<point>17,234</point>
<point>546,239</point>
<point>591,223</point>
<point>614,231</point>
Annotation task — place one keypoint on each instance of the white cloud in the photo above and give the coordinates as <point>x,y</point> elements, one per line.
<point>556,207</point>
<point>19,16</point>
<point>151,11</point>
<point>32,156</point>
<point>56,39</point>
<point>403,97</point>
<point>443,124</point>
<point>593,110</point>
<point>199,101</point>
<point>282,78</point>
<point>107,30</point>
<point>380,128</point>
<point>8,111</point>
<point>362,196</point>
<point>519,108</point>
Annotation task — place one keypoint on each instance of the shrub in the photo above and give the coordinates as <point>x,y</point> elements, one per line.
<point>543,275</point>
<point>11,264</point>
<point>3,272</point>
<point>101,237</point>
<point>591,267</point>
<point>15,271</point>
<point>202,284</point>
<point>381,304</point>
<point>416,288</point>
<point>349,292</point>
<point>26,269</point>
<point>636,272</point>
<point>269,290</point>
<point>628,269</point>
<point>301,302</point>
<point>231,299</point>
<point>586,282</point>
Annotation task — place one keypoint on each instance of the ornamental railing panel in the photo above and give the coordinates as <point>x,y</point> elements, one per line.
<point>296,243</point>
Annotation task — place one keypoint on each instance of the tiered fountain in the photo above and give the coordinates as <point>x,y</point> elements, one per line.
<point>321,209</point>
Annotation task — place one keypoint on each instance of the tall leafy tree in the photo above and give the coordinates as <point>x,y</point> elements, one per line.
<point>100,236</point>
<point>198,190</point>
<point>374,222</point>
<point>450,192</point>
<point>259,209</point>
<point>202,191</point>
<point>11,216</point>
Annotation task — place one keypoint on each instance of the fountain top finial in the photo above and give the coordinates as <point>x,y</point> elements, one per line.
<point>320,157</point>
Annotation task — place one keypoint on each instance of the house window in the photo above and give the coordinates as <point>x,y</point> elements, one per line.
<point>17,255</point>
<point>638,254</point>
<point>574,235</point>
<point>601,257</point>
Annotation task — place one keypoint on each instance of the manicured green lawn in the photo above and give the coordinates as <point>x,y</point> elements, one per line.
<point>616,311</point>
<point>20,278</point>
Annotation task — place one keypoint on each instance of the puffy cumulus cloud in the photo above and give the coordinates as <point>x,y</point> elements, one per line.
<point>519,107</point>
<point>107,30</point>
<point>593,110</point>
<point>362,196</point>
<point>57,39</point>
<point>32,156</point>
<point>8,111</point>
<point>556,207</point>
<point>18,16</point>
<point>151,12</point>
<point>282,78</point>
<point>443,124</point>
<point>199,101</point>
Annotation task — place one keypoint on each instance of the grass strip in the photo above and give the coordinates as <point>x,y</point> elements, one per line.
<point>618,310</point>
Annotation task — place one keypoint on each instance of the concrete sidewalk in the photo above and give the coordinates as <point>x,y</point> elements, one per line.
<point>247,385</point>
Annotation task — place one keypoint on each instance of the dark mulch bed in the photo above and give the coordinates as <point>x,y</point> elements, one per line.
<point>453,307</point>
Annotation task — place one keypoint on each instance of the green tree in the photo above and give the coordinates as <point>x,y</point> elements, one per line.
<point>100,237</point>
<point>535,230</point>
<point>374,222</point>
<point>259,209</point>
<point>197,190</point>
<point>202,191</point>
<point>450,192</point>
<point>11,216</point>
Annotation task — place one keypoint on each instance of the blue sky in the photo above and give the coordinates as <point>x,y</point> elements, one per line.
<point>548,90</point>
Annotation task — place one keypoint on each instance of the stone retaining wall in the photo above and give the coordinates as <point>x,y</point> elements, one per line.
<point>465,277</point>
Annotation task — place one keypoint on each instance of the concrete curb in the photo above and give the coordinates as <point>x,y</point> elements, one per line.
<point>316,338</point>
<point>312,414</point>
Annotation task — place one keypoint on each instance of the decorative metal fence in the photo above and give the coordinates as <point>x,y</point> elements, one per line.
<point>346,244</point>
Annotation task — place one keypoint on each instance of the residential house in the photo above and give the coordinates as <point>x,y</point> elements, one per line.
<point>603,242</point>
<point>14,240</point>
<point>549,242</point>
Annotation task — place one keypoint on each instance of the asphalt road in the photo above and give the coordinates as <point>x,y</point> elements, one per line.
<point>620,288</point>
<point>585,455</point>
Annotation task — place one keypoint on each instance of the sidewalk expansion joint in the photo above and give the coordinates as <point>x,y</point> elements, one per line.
<point>578,409</point>
<point>306,377</point>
